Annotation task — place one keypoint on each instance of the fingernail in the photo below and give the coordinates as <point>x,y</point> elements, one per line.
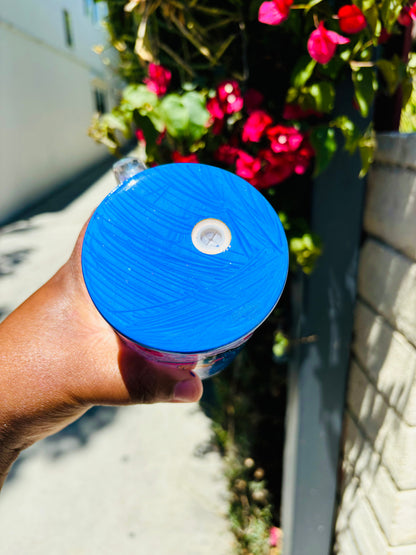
<point>184,391</point>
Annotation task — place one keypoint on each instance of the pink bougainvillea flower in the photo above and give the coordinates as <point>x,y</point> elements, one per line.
<point>275,12</point>
<point>229,96</point>
<point>215,109</point>
<point>412,11</point>
<point>253,99</point>
<point>247,166</point>
<point>184,158</point>
<point>217,115</point>
<point>302,158</point>
<point>158,80</point>
<point>227,154</point>
<point>255,126</point>
<point>227,100</point>
<point>275,536</point>
<point>284,139</point>
<point>351,19</point>
<point>322,44</point>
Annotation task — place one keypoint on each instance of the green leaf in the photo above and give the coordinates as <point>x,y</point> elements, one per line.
<point>407,88</point>
<point>175,115</point>
<point>198,115</point>
<point>372,17</point>
<point>346,53</point>
<point>319,97</point>
<point>323,95</point>
<point>311,4</point>
<point>304,251</point>
<point>140,98</point>
<point>390,10</point>
<point>292,95</point>
<point>284,220</point>
<point>367,146</point>
<point>351,132</point>
<point>281,345</point>
<point>366,5</point>
<point>332,69</point>
<point>156,118</point>
<point>325,145</point>
<point>303,71</point>
<point>366,55</point>
<point>367,156</point>
<point>391,74</point>
<point>365,86</point>
<point>115,121</point>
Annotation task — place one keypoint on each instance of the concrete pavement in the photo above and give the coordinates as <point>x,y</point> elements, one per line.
<point>137,480</point>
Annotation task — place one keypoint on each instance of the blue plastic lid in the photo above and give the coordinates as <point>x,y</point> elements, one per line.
<point>185,258</point>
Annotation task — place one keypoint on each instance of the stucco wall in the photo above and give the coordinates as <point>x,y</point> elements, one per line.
<point>46,97</point>
<point>377,508</point>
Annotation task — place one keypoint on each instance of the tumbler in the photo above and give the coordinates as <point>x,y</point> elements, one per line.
<point>184,261</point>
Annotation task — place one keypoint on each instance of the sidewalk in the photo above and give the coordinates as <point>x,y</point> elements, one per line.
<point>137,480</point>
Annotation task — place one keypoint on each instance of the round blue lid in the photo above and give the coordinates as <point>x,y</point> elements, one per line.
<point>185,258</point>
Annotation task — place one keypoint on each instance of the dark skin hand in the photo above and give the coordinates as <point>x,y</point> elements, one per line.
<point>59,358</point>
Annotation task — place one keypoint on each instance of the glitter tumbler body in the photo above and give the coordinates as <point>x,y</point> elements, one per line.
<point>185,261</point>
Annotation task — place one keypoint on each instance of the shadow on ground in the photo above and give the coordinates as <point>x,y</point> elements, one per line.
<point>75,436</point>
<point>9,260</point>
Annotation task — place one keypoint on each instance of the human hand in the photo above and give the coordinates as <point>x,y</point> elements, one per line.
<point>60,357</point>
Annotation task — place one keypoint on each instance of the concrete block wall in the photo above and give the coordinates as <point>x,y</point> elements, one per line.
<point>377,502</point>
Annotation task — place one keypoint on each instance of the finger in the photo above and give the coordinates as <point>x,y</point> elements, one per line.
<point>148,382</point>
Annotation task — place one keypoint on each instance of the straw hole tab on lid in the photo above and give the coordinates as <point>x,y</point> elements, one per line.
<point>211,236</point>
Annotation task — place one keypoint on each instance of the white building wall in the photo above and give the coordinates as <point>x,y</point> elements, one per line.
<point>46,97</point>
<point>377,507</point>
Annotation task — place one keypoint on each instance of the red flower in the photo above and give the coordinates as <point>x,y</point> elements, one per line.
<point>284,139</point>
<point>227,154</point>
<point>158,80</point>
<point>384,36</point>
<point>322,44</point>
<point>404,17</point>
<point>273,13</point>
<point>277,168</point>
<point>351,19</point>
<point>407,14</point>
<point>294,111</point>
<point>140,136</point>
<point>252,100</point>
<point>229,96</point>
<point>247,167</point>
<point>181,158</point>
<point>255,126</point>
<point>160,137</point>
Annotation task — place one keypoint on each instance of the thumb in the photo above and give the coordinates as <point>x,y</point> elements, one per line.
<point>187,390</point>
<point>148,382</point>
